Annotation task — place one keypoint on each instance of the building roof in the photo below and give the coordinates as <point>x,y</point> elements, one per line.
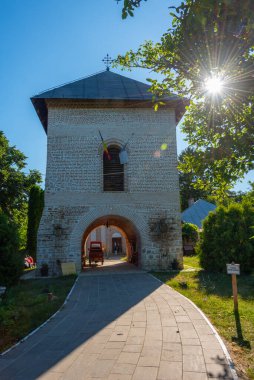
<point>197,212</point>
<point>105,85</point>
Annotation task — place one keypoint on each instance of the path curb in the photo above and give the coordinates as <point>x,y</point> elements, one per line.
<point>222,344</point>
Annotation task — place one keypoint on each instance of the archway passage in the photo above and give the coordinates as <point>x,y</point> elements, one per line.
<point>125,227</point>
<point>112,238</point>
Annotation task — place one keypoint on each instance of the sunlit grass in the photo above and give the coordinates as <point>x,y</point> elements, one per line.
<point>212,293</point>
<point>124,258</point>
<point>191,262</point>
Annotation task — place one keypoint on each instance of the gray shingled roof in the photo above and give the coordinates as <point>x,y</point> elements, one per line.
<point>105,85</point>
<point>197,212</point>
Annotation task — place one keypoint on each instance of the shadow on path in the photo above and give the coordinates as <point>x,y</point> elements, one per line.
<point>95,302</point>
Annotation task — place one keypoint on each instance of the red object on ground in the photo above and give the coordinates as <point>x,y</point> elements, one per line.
<point>95,252</point>
<point>29,262</point>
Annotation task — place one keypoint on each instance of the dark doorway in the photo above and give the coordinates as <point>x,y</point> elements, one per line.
<point>117,245</point>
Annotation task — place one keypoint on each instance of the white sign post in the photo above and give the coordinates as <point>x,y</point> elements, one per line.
<point>234,269</point>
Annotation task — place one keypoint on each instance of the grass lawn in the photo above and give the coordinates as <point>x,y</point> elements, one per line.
<point>212,293</point>
<point>25,306</point>
<point>191,262</point>
<point>124,258</point>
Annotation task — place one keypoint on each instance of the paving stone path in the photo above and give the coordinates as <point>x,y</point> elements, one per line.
<point>120,325</point>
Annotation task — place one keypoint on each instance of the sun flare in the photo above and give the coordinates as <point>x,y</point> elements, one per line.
<point>214,85</point>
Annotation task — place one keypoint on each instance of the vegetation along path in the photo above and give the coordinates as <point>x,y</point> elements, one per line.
<point>212,293</point>
<point>120,325</point>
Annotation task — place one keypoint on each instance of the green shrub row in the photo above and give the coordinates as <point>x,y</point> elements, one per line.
<point>227,237</point>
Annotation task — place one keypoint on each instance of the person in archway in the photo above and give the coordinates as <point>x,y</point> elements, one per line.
<point>115,248</point>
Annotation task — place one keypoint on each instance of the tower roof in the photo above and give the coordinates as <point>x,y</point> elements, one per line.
<point>103,86</point>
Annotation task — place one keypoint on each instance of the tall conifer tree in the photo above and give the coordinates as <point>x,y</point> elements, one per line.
<point>35,208</point>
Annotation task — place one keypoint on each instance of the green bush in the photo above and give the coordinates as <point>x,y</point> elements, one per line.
<point>226,238</point>
<point>190,232</point>
<point>11,261</point>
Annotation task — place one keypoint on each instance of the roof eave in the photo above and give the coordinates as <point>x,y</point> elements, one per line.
<point>41,109</point>
<point>180,109</point>
<point>41,105</point>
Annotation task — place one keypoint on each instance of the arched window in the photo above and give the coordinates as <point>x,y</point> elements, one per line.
<point>113,170</point>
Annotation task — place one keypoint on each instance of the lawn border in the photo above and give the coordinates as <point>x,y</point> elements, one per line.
<point>43,324</point>
<point>223,346</point>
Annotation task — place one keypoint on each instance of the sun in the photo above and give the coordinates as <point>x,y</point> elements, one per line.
<point>214,85</point>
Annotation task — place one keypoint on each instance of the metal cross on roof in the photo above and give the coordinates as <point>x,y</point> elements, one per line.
<point>108,61</point>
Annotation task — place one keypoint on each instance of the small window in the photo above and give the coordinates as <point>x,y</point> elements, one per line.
<point>113,171</point>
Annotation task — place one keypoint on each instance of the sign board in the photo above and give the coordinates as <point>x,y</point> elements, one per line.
<point>68,268</point>
<point>233,268</point>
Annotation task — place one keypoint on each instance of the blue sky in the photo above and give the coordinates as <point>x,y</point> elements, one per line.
<point>51,42</point>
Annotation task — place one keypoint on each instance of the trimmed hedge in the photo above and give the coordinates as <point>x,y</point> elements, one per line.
<point>227,237</point>
<point>11,260</point>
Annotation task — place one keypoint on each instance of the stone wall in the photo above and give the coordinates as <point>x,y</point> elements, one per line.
<point>74,181</point>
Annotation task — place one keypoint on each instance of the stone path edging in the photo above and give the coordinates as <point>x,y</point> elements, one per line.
<point>224,348</point>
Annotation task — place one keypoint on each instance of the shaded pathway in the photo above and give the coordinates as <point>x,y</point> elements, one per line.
<point>120,326</point>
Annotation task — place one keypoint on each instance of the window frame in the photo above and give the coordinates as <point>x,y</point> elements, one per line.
<point>113,144</point>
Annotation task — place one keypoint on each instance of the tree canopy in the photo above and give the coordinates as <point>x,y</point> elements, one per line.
<point>129,6</point>
<point>11,262</point>
<point>188,180</point>
<point>208,41</point>
<point>15,184</point>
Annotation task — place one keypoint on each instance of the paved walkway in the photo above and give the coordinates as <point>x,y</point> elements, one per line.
<point>122,325</point>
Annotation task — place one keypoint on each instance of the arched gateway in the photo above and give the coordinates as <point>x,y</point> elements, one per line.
<point>133,228</point>
<point>111,160</point>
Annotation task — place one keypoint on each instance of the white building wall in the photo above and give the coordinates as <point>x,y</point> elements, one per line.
<point>74,180</point>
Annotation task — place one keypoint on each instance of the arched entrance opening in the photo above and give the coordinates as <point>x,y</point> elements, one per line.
<point>112,238</point>
<point>120,226</point>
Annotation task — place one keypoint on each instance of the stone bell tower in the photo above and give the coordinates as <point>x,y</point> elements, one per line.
<point>90,123</point>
